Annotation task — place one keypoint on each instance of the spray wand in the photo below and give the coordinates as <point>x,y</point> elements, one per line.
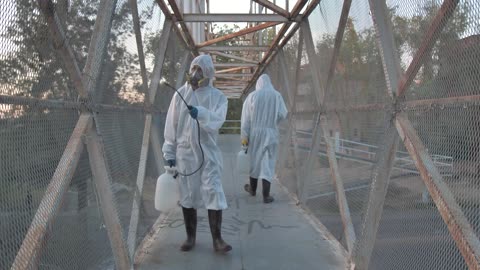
<point>189,107</point>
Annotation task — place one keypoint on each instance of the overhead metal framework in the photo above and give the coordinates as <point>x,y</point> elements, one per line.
<point>256,49</point>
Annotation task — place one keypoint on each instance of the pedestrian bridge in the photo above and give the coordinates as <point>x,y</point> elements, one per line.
<point>378,164</point>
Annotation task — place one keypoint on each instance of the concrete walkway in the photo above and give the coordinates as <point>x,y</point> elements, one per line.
<point>263,236</point>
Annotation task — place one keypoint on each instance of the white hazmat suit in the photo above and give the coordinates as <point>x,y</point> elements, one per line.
<point>203,189</point>
<point>262,111</point>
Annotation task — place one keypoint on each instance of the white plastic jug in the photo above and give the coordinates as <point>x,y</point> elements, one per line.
<point>243,161</point>
<point>167,193</point>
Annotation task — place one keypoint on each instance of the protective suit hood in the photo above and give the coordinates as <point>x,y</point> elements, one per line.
<point>264,82</point>
<point>205,62</point>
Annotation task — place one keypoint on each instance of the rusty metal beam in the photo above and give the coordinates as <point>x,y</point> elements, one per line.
<point>313,63</point>
<point>376,197</point>
<point>386,45</point>
<point>279,44</point>
<point>228,70</point>
<point>60,42</point>
<point>235,65</point>
<point>157,69</point>
<point>232,75</point>
<point>273,7</point>
<point>423,104</point>
<point>137,198</point>
<point>291,129</point>
<point>321,130</point>
<point>248,48</point>
<point>31,248</point>
<point>440,102</point>
<point>387,151</point>
<point>73,105</point>
<point>183,37</point>
<point>141,55</point>
<point>233,17</point>
<point>431,36</point>
<point>85,84</point>
<point>103,182</point>
<point>348,229</point>
<point>164,8</point>
<point>458,225</point>
<point>336,48</point>
<point>231,56</point>
<point>98,44</point>
<point>237,34</point>
<point>142,166</point>
<point>186,32</point>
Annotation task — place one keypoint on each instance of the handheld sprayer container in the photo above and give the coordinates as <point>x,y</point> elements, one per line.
<point>166,193</point>
<point>243,161</point>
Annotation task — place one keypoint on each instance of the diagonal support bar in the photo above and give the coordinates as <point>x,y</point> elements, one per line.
<point>85,86</point>
<point>338,42</point>
<point>280,39</point>
<point>157,69</point>
<point>103,182</point>
<point>231,56</point>
<point>458,225</point>
<point>62,45</point>
<point>321,130</point>
<point>432,34</point>
<point>237,34</point>
<point>185,31</point>
<point>378,190</point>
<point>98,44</point>
<point>386,153</point>
<point>142,166</point>
<point>273,7</point>
<point>138,39</point>
<point>147,132</point>
<point>348,229</point>
<point>31,248</point>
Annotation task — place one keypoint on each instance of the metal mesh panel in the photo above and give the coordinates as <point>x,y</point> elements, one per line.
<point>122,135</point>
<point>411,234</point>
<point>80,240</point>
<point>32,141</point>
<point>121,81</point>
<point>448,64</point>
<point>151,26</point>
<point>34,132</point>
<point>453,154</point>
<point>30,65</point>
<point>39,109</point>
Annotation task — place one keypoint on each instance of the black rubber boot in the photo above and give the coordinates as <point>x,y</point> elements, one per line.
<point>266,192</point>
<point>190,218</point>
<point>252,188</point>
<point>215,220</point>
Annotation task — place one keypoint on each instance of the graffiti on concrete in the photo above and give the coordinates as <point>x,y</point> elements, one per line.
<point>230,225</point>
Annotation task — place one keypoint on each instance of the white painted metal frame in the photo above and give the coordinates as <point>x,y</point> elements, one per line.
<point>457,224</point>
<point>150,98</point>
<point>29,254</point>
<point>321,130</point>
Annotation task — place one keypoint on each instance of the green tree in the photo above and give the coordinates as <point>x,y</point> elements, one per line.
<point>34,67</point>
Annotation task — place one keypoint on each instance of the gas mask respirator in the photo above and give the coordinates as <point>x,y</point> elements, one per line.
<point>196,79</point>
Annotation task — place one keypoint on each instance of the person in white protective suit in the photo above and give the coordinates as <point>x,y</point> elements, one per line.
<point>181,149</point>
<point>262,111</point>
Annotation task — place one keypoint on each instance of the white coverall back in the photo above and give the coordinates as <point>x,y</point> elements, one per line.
<point>262,111</point>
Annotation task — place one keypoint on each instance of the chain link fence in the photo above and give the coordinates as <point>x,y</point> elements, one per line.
<point>421,210</point>
<point>381,143</point>
<point>53,222</point>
